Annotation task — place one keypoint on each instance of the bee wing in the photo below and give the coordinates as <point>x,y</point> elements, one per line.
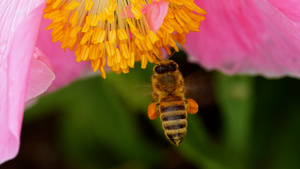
<point>144,88</point>
<point>199,87</point>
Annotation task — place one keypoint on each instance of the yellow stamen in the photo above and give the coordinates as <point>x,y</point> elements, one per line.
<point>72,5</point>
<point>95,64</point>
<point>122,34</point>
<point>88,5</point>
<point>112,36</point>
<point>86,37</point>
<point>177,2</point>
<point>144,61</point>
<point>56,4</point>
<point>95,30</point>
<point>75,31</point>
<point>102,70</point>
<point>85,51</point>
<point>136,11</point>
<point>131,63</point>
<point>118,56</point>
<point>96,37</point>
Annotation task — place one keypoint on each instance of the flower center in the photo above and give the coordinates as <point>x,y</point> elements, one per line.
<point>98,33</point>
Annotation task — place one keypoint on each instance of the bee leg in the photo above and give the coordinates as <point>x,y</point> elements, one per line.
<point>152,111</point>
<point>192,106</point>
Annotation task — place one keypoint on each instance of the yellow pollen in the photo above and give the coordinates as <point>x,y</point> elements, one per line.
<point>72,5</point>
<point>75,31</point>
<point>88,5</point>
<point>56,4</point>
<point>97,33</point>
<point>112,36</point>
<point>122,35</point>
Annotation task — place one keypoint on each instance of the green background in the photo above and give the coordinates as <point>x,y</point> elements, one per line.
<point>244,122</point>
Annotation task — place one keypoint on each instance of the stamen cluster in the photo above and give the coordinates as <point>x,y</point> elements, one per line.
<point>98,33</point>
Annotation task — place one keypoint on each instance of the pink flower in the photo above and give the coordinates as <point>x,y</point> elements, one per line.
<point>29,62</point>
<point>252,37</point>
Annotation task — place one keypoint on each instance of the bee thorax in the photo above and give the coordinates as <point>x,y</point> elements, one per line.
<point>168,83</point>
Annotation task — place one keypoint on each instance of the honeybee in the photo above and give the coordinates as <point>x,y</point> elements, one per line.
<point>169,101</point>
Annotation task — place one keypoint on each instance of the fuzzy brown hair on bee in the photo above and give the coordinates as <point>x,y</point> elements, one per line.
<point>169,101</point>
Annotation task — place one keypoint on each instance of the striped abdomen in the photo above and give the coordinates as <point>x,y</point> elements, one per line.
<point>174,118</point>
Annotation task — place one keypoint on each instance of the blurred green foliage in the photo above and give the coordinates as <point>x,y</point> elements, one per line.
<point>104,124</point>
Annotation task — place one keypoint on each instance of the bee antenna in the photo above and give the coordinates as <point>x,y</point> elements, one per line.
<point>171,55</point>
<point>156,57</point>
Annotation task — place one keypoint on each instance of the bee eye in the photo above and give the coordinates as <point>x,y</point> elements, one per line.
<point>159,69</point>
<point>172,67</point>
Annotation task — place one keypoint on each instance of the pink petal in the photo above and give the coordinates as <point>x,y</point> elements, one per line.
<point>41,75</point>
<point>156,14</point>
<point>290,8</point>
<point>66,68</point>
<point>19,25</point>
<point>252,37</point>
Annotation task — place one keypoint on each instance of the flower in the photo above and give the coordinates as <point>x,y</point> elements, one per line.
<point>249,37</point>
<point>28,69</point>
<point>28,65</point>
<point>118,33</point>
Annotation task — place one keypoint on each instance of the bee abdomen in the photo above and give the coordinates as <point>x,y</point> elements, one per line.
<point>174,118</point>
<point>174,124</point>
<point>165,109</point>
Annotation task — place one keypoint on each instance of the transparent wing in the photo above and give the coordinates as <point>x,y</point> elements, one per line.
<point>199,87</point>
<point>144,88</point>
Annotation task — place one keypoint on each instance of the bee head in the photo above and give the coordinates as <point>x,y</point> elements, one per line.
<point>165,66</point>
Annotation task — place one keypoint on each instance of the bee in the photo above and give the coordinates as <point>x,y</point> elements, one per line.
<point>169,101</point>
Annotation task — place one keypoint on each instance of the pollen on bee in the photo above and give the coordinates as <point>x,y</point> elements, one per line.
<point>95,30</point>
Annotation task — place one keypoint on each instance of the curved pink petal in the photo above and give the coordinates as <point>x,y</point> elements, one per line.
<point>19,22</point>
<point>41,75</point>
<point>156,14</point>
<point>65,67</point>
<point>252,37</point>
